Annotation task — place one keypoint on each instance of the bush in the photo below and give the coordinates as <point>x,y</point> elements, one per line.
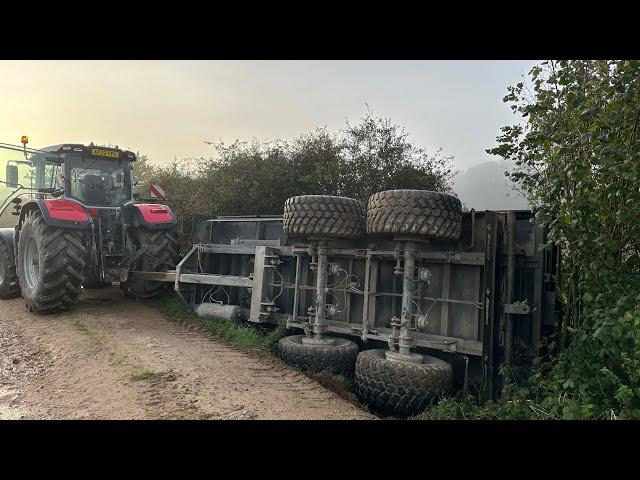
<point>256,178</point>
<point>577,160</point>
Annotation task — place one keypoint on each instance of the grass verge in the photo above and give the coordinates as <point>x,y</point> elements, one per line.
<point>241,335</point>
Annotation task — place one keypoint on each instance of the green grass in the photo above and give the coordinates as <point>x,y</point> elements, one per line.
<point>242,335</point>
<point>142,374</point>
<point>83,328</point>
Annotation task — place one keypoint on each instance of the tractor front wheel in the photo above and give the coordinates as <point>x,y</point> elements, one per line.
<point>160,253</point>
<point>9,287</point>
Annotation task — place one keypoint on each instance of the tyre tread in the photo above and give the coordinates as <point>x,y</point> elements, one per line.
<point>337,359</point>
<point>415,212</point>
<point>324,215</point>
<point>63,258</point>
<point>10,287</point>
<point>395,388</point>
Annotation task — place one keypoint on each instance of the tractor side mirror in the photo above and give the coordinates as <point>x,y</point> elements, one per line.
<point>12,176</point>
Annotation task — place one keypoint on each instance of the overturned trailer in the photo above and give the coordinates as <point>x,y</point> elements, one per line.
<point>414,294</point>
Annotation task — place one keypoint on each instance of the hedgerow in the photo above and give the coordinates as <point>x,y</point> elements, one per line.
<point>577,161</point>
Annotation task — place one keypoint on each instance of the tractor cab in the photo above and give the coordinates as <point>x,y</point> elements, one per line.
<point>96,177</point>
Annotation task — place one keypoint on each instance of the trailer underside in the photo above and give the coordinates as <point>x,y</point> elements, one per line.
<point>483,300</point>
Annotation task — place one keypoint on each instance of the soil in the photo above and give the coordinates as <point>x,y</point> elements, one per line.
<point>115,358</point>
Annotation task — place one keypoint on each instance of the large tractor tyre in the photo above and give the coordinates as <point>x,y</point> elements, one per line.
<point>414,213</point>
<point>323,216</point>
<point>50,264</point>
<point>9,286</point>
<point>398,388</point>
<point>337,358</point>
<point>160,254</point>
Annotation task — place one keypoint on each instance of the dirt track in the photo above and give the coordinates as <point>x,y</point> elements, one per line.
<point>120,359</point>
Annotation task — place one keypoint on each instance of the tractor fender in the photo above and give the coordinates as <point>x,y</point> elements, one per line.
<point>155,216</point>
<point>6,236</point>
<point>58,212</point>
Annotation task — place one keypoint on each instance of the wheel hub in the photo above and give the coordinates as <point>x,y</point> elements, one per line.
<point>321,341</point>
<point>1,270</point>
<point>413,358</point>
<point>31,263</point>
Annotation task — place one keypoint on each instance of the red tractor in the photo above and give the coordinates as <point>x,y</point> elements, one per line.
<point>76,225</point>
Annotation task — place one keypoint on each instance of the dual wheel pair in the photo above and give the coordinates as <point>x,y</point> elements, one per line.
<point>388,387</point>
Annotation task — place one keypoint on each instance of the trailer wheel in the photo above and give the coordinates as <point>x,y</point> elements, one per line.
<point>323,216</point>
<point>160,255</point>
<point>50,264</point>
<point>337,358</point>
<point>9,286</point>
<point>415,212</point>
<point>397,388</point>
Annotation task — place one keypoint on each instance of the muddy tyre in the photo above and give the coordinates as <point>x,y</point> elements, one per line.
<point>50,264</point>
<point>9,286</point>
<point>414,213</point>
<point>323,216</point>
<point>338,358</point>
<point>160,254</point>
<point>400,389</point>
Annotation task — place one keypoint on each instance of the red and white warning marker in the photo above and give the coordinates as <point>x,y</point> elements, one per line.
<point>157,191</point>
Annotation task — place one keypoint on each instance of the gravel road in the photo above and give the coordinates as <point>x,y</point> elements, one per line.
<point>114,358</point>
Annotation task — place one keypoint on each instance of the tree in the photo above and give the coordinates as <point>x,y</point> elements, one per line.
<point>257,177</point>
<point>577,160</point>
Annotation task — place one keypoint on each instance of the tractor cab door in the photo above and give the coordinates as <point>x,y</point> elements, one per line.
<point>23,174</point>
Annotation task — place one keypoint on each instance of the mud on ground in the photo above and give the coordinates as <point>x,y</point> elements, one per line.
<point>114,358</point>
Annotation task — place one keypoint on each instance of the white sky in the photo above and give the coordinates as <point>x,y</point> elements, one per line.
<point>168,109</point>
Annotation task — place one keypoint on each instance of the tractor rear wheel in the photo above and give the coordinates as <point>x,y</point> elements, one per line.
<point>160,254</point>
<point>9,287</point>
<point>50,264</point>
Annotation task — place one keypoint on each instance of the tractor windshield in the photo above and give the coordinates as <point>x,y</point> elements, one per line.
<point>98,182</point>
